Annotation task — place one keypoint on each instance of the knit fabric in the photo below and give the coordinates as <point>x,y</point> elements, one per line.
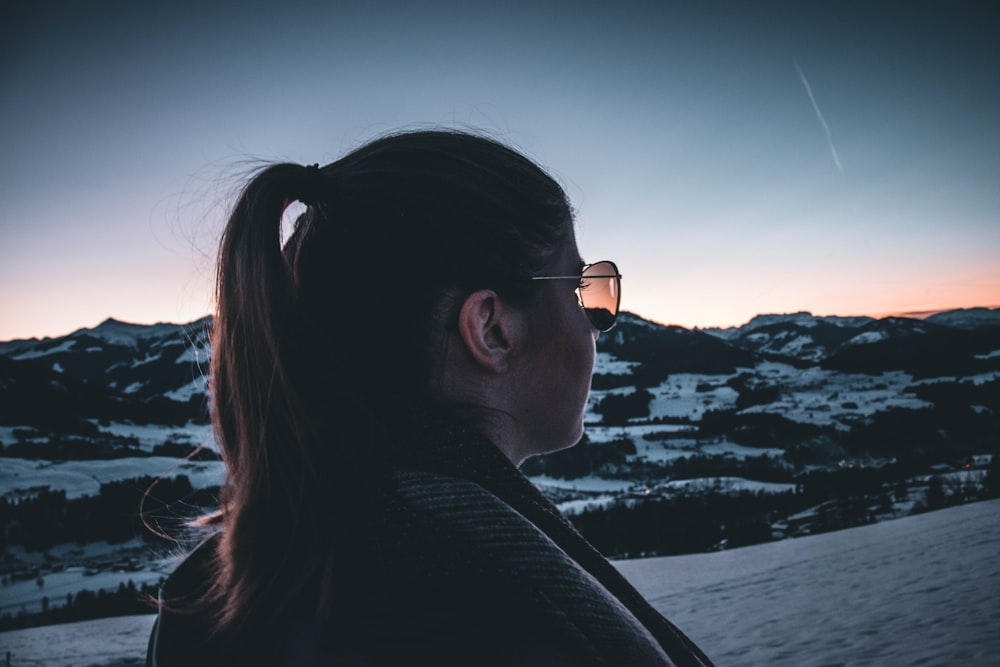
<point>454,487</point>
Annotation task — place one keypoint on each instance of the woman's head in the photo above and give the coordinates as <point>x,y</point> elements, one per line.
<point>396,234</point>
<point>323,345</point>
<point>403,227</point>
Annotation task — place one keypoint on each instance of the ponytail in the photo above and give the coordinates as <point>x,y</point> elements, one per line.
<point>266,421</point>
<point>254,312</point>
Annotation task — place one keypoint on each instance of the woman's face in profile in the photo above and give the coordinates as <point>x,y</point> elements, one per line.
<point>558,367</point>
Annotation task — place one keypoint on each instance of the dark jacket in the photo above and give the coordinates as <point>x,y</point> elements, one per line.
<point>476,568</point>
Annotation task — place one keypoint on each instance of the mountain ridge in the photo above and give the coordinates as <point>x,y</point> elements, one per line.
<point>162,368</point>
<point>814,338</point>
<point>693,443</point>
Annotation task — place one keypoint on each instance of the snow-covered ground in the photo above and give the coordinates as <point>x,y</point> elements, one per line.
<point>82,478</point>
<point>830,398</point>
<point>150,435</point>
<point>679,396</point>
<point>727,485</point>
<point>922,590</point>
<point>27,596</point>
<point>105,641</point>
<point>591,483</point>
<point>670,449</point>
<point>916,591</point>
<point>94,566</point>
<point>627,495</point>
<point>812,395</point>
<point>611,433</point>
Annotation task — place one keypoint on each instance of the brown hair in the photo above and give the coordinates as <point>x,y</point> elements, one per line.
<point>325,347</point>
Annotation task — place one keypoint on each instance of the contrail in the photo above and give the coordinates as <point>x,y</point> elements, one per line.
<point>819,114</point>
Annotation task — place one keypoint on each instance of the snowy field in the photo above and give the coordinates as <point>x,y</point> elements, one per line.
<point>923,590</point>
<point>590,483</point>
<point>830,398</point>
<point>726,485</point>
<point>810,396</point>
<point>84,478</point>
<point>678,396</point>
<point>27,595</point>
<point>105,642</point>
<point>916,591</point>
<point>94,566</point>
<point>150,435</point>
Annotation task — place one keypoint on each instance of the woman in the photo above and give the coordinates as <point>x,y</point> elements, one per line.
<point>375,384</point>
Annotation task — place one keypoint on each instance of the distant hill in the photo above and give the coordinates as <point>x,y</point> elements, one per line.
<point>813,339</point>
<point>156,375</point>
<point>113,372</point>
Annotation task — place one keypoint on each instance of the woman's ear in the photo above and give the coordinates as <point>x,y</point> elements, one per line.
<point>488,328</point>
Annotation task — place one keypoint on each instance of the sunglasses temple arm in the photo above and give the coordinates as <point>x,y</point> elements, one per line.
<point>573,277</point>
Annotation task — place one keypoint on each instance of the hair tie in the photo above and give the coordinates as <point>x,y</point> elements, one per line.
<point>312,186</point>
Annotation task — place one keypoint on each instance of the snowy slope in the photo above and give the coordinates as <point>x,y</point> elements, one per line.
<point>916,591</point>
<point>84,478</point>
<point>919,590</point>
<point>813,339</point>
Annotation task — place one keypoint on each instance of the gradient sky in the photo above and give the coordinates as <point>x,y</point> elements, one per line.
<point>841,158</point>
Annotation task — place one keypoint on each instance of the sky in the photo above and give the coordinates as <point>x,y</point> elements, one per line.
<point>733,158</point>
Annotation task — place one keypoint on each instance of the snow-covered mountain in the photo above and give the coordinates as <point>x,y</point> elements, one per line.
<point>143,361</point>
<point>777,382</point>
<point>813,338</point>
<point>116,371</point>
<point>967,318</point>
<point>916,591</point>
<point>795,425</point>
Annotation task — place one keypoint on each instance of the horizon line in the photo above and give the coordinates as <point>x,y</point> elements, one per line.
<point>912,314</point>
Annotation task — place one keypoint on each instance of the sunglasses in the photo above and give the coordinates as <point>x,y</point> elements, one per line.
<point>599,292</point>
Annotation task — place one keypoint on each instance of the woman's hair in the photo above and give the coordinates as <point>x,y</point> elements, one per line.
<point>326,347</point>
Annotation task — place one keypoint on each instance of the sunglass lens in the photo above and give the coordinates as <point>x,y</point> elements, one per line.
<point>600,294</point>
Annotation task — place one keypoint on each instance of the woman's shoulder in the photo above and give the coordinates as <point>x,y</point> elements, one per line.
<point>180,634</point>
<point>433,594</point>
<point>421,509</point>
<point>459,542</point>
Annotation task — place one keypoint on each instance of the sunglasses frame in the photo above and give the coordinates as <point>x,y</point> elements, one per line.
<point>618,290</point>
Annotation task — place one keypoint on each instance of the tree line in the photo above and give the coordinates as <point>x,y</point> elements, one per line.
<point>156,509</point>
<point>128,599</point>
<point>663,525</point>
